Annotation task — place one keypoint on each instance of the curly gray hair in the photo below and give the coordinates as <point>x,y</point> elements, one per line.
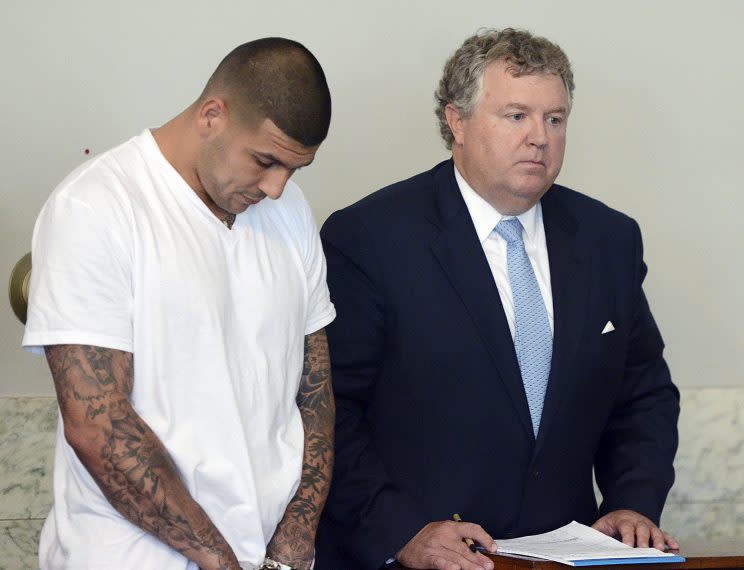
<point>462,80</point>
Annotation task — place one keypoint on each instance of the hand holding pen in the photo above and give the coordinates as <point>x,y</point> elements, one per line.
<point>442,545</point>
<point>468,541</point>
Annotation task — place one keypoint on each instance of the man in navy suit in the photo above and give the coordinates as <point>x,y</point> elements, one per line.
<point>493,344</point>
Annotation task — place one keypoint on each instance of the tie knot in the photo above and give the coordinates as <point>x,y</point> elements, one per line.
<point>510,230</point>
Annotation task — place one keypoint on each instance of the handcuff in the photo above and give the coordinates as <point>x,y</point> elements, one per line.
<point>269,564</point>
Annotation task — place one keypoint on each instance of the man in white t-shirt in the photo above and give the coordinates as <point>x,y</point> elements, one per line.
<point>183,317</point>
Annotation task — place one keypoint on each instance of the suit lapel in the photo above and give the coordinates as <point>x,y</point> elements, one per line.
<point>569,276</point>
<point>462,259</point>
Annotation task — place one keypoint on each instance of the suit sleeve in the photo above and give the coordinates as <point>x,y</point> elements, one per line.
<point>379,516</point>
<point>634,465</point>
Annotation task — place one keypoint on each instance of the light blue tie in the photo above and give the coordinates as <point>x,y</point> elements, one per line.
<point>533,341</point>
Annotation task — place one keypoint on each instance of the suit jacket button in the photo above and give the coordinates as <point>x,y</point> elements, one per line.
<point>536,473</point>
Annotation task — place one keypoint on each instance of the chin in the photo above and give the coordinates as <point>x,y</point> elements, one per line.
<point>523,201</point>
<point>532,194</point>
<point>534,187</point>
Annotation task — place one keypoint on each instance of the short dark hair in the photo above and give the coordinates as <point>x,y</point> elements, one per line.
<point>278,79</point>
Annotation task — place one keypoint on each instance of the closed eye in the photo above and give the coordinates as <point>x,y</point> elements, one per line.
<point>263,163</point>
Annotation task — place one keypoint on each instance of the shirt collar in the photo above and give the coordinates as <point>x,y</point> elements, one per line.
<point>485,217</point>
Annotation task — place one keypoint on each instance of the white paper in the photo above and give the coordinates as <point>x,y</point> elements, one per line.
<point>572,543</point>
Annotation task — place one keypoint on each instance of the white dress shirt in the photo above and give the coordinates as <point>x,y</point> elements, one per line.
<point>485,217</point>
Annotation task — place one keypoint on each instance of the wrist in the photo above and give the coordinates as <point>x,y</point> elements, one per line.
<point>269,564</point>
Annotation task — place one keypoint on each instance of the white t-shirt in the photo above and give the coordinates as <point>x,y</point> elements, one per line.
<point>126,256</point>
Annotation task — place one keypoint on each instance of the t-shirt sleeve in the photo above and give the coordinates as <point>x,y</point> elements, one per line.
<point>81,282</point>
<point>320,310</point>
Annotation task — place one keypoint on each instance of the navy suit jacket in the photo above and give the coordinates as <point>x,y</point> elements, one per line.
<point>432,418</point>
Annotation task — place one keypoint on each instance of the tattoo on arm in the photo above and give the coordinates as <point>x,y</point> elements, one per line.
<point>294,539</point>
<point>125,457</point>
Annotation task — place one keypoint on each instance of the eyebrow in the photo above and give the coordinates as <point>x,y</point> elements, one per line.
<point>521,107</point>
<point>270,157</point>
<point>562,110</point>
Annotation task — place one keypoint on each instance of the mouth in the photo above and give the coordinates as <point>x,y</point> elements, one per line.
<point>532,163</point>
<point>249,200</point>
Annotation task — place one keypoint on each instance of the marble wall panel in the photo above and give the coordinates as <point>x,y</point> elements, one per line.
<point>27,431</point>
<point>704,520</point>
<point>710,461</point>
<point>18,544</point>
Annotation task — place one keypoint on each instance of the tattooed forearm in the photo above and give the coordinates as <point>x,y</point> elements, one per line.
<point>294,539</point>
<point>124,456</point>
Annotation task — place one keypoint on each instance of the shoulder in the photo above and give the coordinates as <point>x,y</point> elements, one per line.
<point>293,199</point>
<point>401,204</point>
<point>408,193</point>
<point>289,217</point>
<point>102,184</point>
<point>98,200</point>
<point>291,208</point>
<point>592,216</point>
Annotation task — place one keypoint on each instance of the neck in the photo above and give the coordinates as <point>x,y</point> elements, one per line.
<point>229,220</point>
<point>179,143</point>
<point>504,203</point>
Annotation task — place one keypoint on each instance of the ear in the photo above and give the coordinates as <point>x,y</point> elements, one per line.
<point>456,122</point>
<point>211,117</point>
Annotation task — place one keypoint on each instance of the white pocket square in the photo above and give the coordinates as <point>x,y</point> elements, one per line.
<point>609,327</point>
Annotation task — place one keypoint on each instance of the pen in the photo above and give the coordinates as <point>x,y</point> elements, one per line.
<point>469,541</point>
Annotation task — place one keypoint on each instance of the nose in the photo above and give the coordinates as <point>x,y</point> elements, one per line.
<point>273,182</point>
<point>538,134</point>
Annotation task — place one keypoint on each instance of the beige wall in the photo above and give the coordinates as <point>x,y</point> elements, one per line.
<point>656,129</point>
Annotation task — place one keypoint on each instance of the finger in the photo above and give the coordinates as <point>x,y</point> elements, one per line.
<point>603,526</point>
<point>627,533</point>
<point>485,562</point>
<point>642,534</point>
<point>476,532</point>
<point>456,559</point>
<point>657,539</point>
<point>470,560</point>
<point>671,541</point>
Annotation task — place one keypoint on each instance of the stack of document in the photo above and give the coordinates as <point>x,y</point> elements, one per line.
<point>578,545</point>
